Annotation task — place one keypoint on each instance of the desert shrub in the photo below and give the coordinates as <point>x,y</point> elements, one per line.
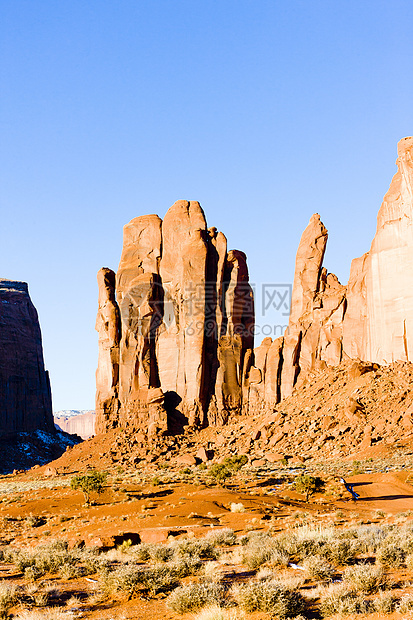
<point>126,578</point>
<point>258,551</point>
<point>365,578</point>
<point>224,537</point>
<point>196,595</point>
<point>216,612</point>
<point>202,548</point>
<point>35,521</point>
<point>161,553</point>
<point>385,603</point>
<point>271,597</point>
<point>219,472</point>
<point>47,614</point>
<point>391,554</point>
<point>304,483</point>
<point>338,600</point>
<point>89,483</point>
<point>279,558</point>
<point>186,565</point>
<point>41,595</point>
<point>234,507</point>
<point>405,604</point>
<point>340,551</point>
<point>31,573</point>
<point>369,537</point>
<point>70,571</point>
<point>317,568</point>
<point>235,462</point>
<point>160,579</point>
<point>8,598</point>
<point>142,552</point>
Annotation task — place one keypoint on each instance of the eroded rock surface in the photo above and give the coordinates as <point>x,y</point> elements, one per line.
<point>25,396</point>
<point>379,322</point>
<point>174,323</point>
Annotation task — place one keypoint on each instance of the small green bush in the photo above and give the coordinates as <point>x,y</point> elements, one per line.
<point>219,472</point>
<point>235,462</point>
<point>308,485</point>
<point>89,483</point>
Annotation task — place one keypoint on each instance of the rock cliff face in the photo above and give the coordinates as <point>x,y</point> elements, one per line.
<point>370,320</point>
<point>25,396</point>
<point>174,323</point>
<point>81,423</point>
<point>379,322</point>
<point>314,335</point>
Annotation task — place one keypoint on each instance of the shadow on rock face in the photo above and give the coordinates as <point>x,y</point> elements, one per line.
<point>176,419</point>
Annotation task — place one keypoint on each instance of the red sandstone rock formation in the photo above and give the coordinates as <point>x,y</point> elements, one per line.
<point>175,337</point>
<point>379,321</point>
<point>183,348</point>
<point>25,396</point>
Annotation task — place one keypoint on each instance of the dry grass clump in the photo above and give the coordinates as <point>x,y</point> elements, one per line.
<point>222,538</point>
<point>365,578</point>
<point>196,595</point>
<point>234,507</point>
<point>317,568</point>
<point>48,614</point>
<point>215,612</point>
<point>391,554</point>
<point>339,600</point>
<point>405,604</point>
<point>8,598</point>
<point>271,597</point>
<point>385,603</point>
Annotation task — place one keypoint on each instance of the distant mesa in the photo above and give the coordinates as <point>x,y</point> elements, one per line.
<point>74,422</point>
<point>175,322</point>
<point>25,395</point>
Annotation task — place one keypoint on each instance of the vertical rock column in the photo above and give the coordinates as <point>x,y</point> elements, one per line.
<point>107,373</point>
<point>235,340</point>
<point>308,264</point>
<point>181,340</point>
<point>140,299</point>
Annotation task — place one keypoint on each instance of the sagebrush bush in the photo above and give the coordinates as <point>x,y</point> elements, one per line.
<point>201,548</point>
<point>196,595</point>
<point>338,600</point>
<point>391,554</point>
<point>270,597</point>
<point>8,598</point>
<point>215,612</point>
<point>340,552</point>
<point>365,578</point>
<point>258,551</point>
<point>385,603</point>
<point>405,604</point>
<point>225,537</point>
<point>317,568</point>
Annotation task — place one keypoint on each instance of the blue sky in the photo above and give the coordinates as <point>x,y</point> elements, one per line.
<point>264,111</point>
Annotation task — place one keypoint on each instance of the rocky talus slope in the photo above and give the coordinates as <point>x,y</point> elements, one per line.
<point>353,411</point>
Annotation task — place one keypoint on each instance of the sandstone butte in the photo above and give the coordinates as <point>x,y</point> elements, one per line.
<point>25,396</point>
<point>174,322</point>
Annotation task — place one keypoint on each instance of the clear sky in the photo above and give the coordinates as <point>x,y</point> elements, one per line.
<point>263,110</point>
